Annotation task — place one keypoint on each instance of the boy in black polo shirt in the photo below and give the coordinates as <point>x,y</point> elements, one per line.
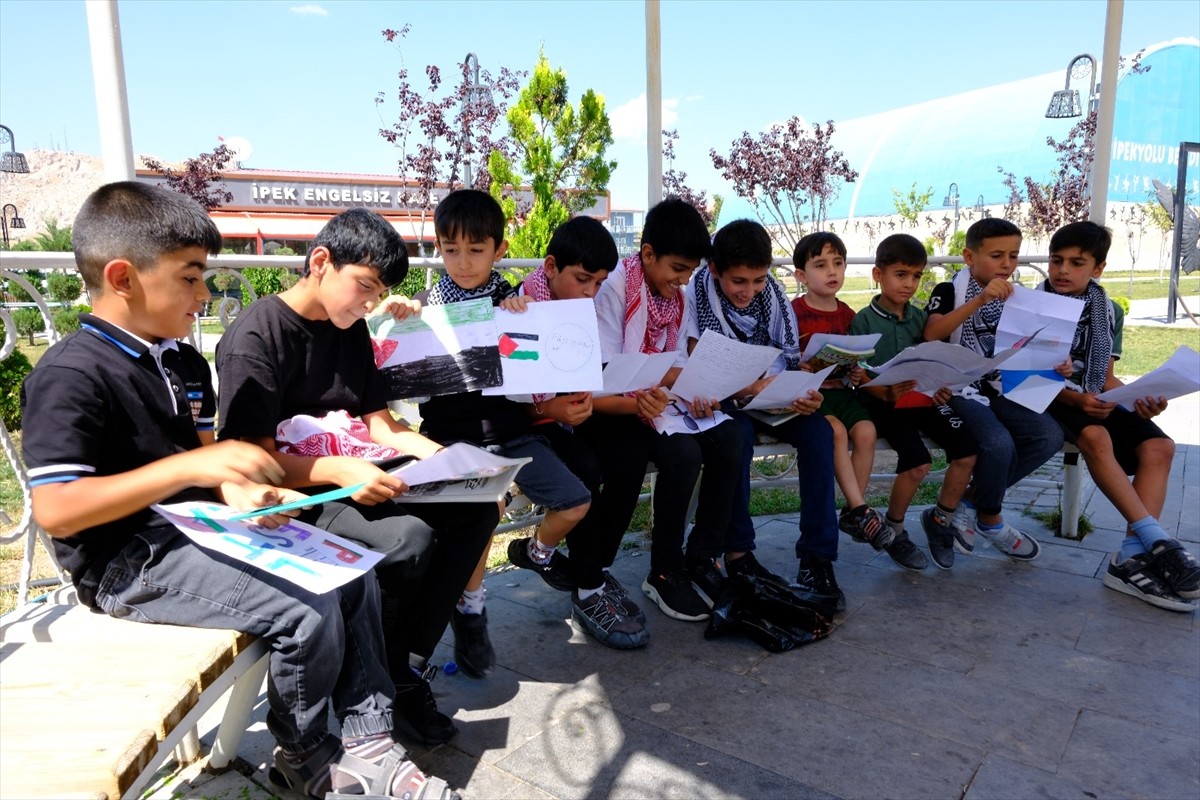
<point>116,418</point>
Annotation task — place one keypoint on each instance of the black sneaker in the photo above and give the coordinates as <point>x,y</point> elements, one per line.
<point>865,525</point>
<point>415,713</point>
<point>816,574</point>
<point>673,593</point>
<point>616,590</point>
<point>940,536</point>
<point>556,574</point>
<point>603,616</point>
<point>907,554</point>
<point>750,566</point>
<point>1136,576</point>
<point>1177,567</point>
<point>707,578</point>
<point>472,645</point>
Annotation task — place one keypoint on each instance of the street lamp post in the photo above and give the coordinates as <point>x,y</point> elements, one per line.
<point>952,200</point>
<point>979,209</point>
<point>1065,104</point>
<point>11,160</point>
<point>476,95</point>
<point>5,221</point>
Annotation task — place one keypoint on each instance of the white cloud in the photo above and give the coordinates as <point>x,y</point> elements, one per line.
<point>309,9</point>
<point>629,119</point>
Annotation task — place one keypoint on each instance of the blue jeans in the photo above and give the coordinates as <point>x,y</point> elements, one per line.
<point>326,649</point>
<point>813,439</point>
<point>1013,442</point>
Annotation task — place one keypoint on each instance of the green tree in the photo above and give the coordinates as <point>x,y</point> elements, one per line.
<point>561,148</point>
<point>910,205</point>
<point>64,287</point>
<point>27,322</point>
<point>55,238</point>
<point>12,374</point>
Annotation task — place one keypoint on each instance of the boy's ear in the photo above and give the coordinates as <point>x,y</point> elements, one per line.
<point>319,259</point>
<point>1099,270</point>
<point>501,249</point>
<point>968,257</point>
<point>876,274</point>
<point>549,266</point>
<point>119,277</point>
<point>646,251</point>
<point>800,276</point>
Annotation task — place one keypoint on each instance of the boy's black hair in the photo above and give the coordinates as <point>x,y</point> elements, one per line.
<point>470,213</point>
<point>988,228</point>
<point>362,237</point>
<point>900,248</point>
<point>742,242</point>
<point>1088,236</point>
<point>675,228</point>
<point>583,241</point>
<point>813,245</point>
<point>138,222</point>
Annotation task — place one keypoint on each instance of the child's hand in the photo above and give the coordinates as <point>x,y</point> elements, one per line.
<point>400,307</point>
<point>892,393</point>
<point>247,496</point>
<point>228,462</point>
<point>517,304</point>
<point>1093,406</point>
<point>942,396</point>
<point>806,366</point>
<point>702,407</point>
<point>379,486</point>
<point>857,376</point>
<point>1148,407</point>
<point>808,405</point>
<point>651,402</point>
<point>1066,369</point>
<point>997,289</point>
<point>569,409</point>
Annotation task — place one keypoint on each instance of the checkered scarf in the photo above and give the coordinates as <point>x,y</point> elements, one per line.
<point>651,323</point>
<point>978,331</point>
<point>1091,349</point>
<point>537,285</point>
<point>447,291</point>
<point>764,322</point>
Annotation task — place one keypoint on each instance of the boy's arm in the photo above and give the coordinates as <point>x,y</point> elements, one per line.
<point>939,326</point>
<point>386,429</point>
<point>303,471</point>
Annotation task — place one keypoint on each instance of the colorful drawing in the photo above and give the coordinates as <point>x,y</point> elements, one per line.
<point>520,346</point>
<point>447,349</point>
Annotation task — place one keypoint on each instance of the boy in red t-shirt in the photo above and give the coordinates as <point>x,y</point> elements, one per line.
<point>820,262</point>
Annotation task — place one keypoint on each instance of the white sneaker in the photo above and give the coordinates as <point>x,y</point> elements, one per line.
<point>963,524</point>
<point>1014,544</point>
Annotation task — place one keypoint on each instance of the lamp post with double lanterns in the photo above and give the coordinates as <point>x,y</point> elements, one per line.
<point>475,97</point>
<point>979,208</point>
<point>6,221</point>
<point>11,160</point>
<point>952,200</point>
<point>1065,103</point>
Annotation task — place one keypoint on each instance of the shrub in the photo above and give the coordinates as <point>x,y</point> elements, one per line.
<point>267,280</point>
<point>12,374</point>
<point>1123,302</point>
<point>64,287</point>
<point>28,321</point>
<point>67,319</point>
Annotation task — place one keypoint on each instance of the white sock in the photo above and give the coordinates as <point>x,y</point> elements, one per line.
<point>471,601</point>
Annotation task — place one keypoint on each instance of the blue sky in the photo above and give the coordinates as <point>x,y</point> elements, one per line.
<point>299,79</point>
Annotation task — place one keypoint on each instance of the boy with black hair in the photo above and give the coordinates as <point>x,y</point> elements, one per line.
<point>736,297</point>
<point>640,309</point>
<point>1013,440</point>
<point>1151,565</point>
<point>469,225</point>
<point>307,351</point>
<point>117,417</point>
<point>899,264</point>
<point>579,257</point>
<point>820,263</point>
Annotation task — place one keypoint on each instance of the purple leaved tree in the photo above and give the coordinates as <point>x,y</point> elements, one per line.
<point>1042,208</point>
<point>788,174</point>
<point>199,178</point>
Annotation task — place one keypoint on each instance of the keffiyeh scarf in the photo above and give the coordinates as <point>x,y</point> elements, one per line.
<point>978,332</point>
<point>1091,349</point>
<point>764,322</point>
<point>335,434</point>
<point>651,323</point>
<point>537,285</point>
<point>447,291</point>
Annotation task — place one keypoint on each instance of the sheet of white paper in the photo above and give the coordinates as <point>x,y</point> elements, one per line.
<point>629,372</point>
<point>1036,392</point>
<point>676,419</point>
<point>787,386</point>
<point>438,331</point>
<point>1179,376</point>
<point>1052,317</point>
<point>307,556</point>
<point>719,366</point>
<point>936,364</point>
<point>457,462</point>
<point>866,341</point>
<point>550,347</point>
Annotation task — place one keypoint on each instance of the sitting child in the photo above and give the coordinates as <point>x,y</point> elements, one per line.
<point>1151,565</point>
<point>899,264</point>
<point>119,416</point>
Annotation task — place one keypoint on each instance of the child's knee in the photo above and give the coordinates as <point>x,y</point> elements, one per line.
<point>574,514</point>
<point>917,473</point>
<point>1094,440</point>
<point>839,430</point>
<point>1159,452</point>
<point>863,434</point>
<point>965,462</point>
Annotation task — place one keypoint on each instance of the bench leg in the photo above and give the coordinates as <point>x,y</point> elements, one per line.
<point>237,715</point>
<point>188,750</point>
<point>1072,495</point>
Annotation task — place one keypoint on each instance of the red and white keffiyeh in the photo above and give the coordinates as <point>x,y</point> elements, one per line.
<point>651,323</point>
<point>335,434</point>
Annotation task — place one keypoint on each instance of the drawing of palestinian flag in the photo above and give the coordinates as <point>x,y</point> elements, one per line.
<point>519,346</point>
<point>383,348</point>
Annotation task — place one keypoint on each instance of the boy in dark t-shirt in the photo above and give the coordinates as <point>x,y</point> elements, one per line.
<point>110,429</point>
<point>308,351</point>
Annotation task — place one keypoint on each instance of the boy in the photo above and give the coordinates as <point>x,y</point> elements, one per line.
<point>307,351</point>
<point>640,309</point>
<point>1013,441</point>
<point>469,225</point>
<point>578,259</point>
<point>1151,565</point>
<point>117,417</point>
<point>820,262</point>
<point>899,264</point>
<point>736,297</point>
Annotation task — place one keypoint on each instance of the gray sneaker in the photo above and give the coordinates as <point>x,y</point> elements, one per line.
<point>603,617</point>
<point>940,536</point>
<point>1014,544</point>
<point>964,529</point>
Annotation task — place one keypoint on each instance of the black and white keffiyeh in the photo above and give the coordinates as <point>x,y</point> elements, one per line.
<point>1091,348</point>
<point>765,321</point>
<point>447,291</point>
<point>978,332</point>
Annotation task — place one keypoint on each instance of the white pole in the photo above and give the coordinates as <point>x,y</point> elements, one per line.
<point>653,104</point>
<point>112,103</point>
<point>1108,106</point>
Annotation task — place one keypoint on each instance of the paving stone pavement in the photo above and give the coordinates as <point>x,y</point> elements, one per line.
<point>991,680</point>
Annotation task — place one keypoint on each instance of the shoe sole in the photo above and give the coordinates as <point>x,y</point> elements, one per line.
<point>610,640</point>
<point>961,545</point>
<point>1037,551</point>
<point>1115,583</point>
<point>656,598</point>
